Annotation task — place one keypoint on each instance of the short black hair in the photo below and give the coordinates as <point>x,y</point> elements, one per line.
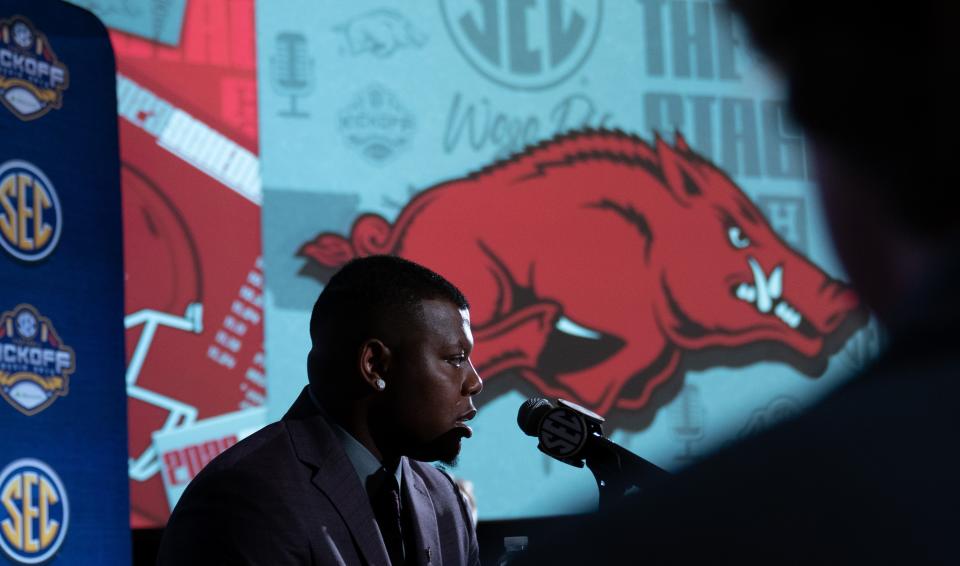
<point>868,80</point>
<point>369,297</point>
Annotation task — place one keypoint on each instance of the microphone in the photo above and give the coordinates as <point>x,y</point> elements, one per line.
<point>292,70</point>
<point>574,435</point>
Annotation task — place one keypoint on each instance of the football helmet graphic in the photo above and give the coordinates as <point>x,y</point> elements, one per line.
<point>163,290</point>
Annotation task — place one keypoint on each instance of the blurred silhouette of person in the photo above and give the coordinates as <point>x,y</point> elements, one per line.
<point>341,479</point>
<point>868,474</point>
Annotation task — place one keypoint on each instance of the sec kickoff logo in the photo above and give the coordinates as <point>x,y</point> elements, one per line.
<point>30,218</point>
<point>35,365</point>
<point>377,124</point>
<point>32,79</point>
<point>527,45</point>
<point>34,512</point>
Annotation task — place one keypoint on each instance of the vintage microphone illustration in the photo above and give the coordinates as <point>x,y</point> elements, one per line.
<point>292,70</point>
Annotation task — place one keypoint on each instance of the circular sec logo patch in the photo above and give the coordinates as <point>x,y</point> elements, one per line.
<point>30,218</point>
<point>34,512</point>
<point>524,45</point>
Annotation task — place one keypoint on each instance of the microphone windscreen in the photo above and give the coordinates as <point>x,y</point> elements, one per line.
<point>531,413</point>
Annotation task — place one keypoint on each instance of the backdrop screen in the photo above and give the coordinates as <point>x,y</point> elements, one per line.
<point>615,186</point>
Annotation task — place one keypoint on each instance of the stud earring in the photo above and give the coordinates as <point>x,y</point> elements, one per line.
<point>381,384</point>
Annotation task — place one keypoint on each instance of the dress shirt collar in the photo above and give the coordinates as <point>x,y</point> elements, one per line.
<point>364,462</point>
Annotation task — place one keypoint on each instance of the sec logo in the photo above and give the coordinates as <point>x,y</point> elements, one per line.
<point>32,79</point>
<point>30,215</point>
<point>34,512</point>
<point>35,364</point>
<point>526,45</point>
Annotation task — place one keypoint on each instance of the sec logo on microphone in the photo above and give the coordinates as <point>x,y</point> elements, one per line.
<point>34,512</point>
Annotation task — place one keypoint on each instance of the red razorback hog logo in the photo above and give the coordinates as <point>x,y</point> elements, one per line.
<point>598,265</point>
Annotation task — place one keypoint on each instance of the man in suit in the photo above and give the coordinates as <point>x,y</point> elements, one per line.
<point>868,475</point>
<point>341,479</point>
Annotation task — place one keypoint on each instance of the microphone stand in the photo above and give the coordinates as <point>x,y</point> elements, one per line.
<point>574,435</point>
<point>619,472</point>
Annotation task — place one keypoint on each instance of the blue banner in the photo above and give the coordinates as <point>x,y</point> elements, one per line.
<point>63,457</point>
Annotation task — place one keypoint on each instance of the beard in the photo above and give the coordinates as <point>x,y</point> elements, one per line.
<point>444,448</point>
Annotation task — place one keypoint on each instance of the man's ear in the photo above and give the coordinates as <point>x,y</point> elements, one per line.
<point>375,359</point>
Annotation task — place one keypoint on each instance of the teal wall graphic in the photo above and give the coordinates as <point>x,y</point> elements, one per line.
<point>660,259</point>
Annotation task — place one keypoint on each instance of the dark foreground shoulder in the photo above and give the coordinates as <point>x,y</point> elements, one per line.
<point>860,478</point>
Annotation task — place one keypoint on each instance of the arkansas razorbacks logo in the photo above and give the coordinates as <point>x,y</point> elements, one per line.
<point>601,268</point>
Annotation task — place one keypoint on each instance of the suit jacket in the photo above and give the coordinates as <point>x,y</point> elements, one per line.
<point>288,494</point>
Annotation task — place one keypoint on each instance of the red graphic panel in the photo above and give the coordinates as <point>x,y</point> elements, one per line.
<point>194,285</point>
<point>601,268</point>
<point>192,242</point>
<point>212,73</point>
